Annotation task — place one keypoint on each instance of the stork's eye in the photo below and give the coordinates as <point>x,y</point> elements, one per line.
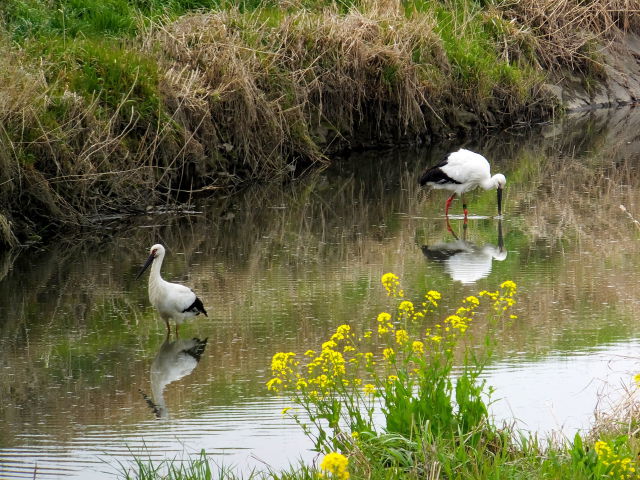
<point>153,252</point>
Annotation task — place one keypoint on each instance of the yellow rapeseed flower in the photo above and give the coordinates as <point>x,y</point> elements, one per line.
<point>285,410</point>
<point>342,332</point>
<point>402,337</point>
<point>328,345</point>
<point>389,278</point>
<point>281,363</point>
<point>508,285</point>
<point>369,389</point>
<point>273,384</point>
<point>417,347</point>
<point>620,467</point>
<point>391,284</point>
<point>336,465</point>
<point>392,378</point>
<point>406,306</point>
<point>472,299</point>
<point>636,378</point>
<point>388,354</point>
<point>458,322</point>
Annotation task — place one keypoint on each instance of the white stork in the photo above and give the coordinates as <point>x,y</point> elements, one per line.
<point>172,300</point>
<point>460,172</point>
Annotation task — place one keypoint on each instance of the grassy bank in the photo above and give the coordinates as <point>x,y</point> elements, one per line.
<point>393,400</point>
<point>118,106</point>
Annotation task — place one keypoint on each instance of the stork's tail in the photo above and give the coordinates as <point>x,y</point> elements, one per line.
<point>196,307</point>
<point>154,408</point>
<point>197,349</point>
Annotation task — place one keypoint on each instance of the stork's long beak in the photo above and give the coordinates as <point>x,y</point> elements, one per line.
<point>499,201</point>
<point>146,265</point>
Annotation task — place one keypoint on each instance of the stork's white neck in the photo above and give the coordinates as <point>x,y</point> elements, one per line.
<point>154,276</point>
<point>157,394</point>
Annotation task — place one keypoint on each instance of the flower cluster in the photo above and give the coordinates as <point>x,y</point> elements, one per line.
<point>322,373</point>
<point>282,365</point>
<point>392,284</point>
<point>502,300</point>
<point>397,354</point>
<point>335,464</point>
<point>619,467</point>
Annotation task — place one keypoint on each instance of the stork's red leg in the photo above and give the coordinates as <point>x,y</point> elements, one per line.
<point>464,209</point>
<point>450,229</point>
<point>448,204</point>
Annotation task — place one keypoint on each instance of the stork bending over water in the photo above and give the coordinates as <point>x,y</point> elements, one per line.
<point>172,300</point>
<point>460,172</point>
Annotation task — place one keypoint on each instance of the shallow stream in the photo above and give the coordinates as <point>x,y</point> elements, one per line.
<point>279,267</point>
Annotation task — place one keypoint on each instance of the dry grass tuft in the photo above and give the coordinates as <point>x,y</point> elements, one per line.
<point>309,80</point>
<point>568,33</point>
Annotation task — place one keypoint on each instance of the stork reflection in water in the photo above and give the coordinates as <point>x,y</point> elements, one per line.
<point>175,360</point>
<point>464,261</point>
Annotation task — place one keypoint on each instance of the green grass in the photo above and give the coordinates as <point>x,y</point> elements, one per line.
<point>28,19</point>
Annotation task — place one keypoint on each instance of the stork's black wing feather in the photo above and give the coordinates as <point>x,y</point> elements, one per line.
<point>436,175</point>
<point>196,307</point>
<point>440,254</point>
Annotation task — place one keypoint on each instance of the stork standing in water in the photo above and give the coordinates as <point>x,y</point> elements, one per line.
<point>172,300</point>
<point>460,172</point>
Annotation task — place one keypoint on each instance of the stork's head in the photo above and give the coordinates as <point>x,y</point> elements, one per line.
<point>499,181</point>
<point>154,252</point>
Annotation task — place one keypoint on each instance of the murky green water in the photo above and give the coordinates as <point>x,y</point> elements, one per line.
<point>278,267</point>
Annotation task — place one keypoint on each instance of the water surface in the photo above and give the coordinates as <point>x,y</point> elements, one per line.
<point>280,266</point>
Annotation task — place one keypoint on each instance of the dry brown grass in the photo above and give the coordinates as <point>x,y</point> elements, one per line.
<point>569,33</point>
<point>313,80</point>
